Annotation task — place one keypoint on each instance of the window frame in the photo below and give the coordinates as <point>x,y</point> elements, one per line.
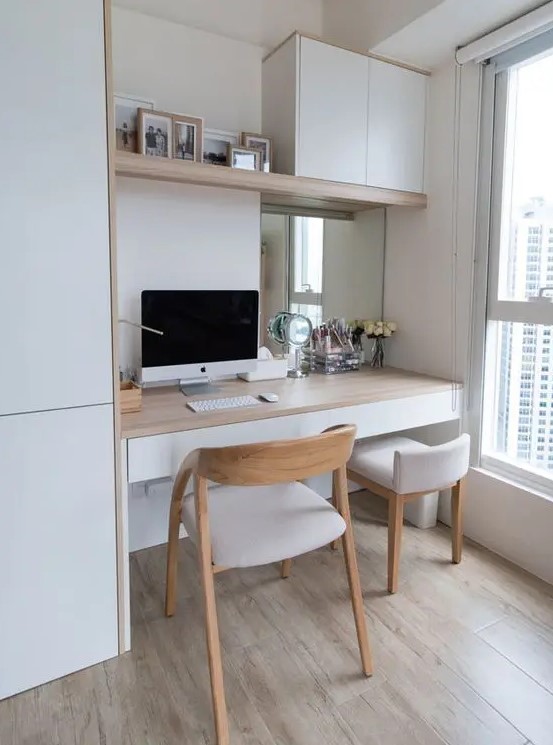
<point>488,307</point>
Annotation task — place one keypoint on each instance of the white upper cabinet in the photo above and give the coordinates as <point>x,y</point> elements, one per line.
<point>396,131</point>
<point>54,237</point>
<point>343,116</point>
<point>333,94</point>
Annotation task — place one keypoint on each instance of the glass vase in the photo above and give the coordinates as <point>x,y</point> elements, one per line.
<point>377,352</point>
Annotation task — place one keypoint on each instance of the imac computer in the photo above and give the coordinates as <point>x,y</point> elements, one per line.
<point>206,333</point>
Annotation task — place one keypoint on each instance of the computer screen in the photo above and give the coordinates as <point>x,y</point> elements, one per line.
<point>199,326</point>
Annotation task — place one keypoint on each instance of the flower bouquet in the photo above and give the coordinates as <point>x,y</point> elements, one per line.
<point>377,330</point>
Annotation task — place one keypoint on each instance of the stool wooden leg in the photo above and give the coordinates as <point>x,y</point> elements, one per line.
<point>457,496</point>
<point>285,568</point>
<point>212,629</point>
<point>350,558</point>
<point>395,529</point>
<point>172,559</point>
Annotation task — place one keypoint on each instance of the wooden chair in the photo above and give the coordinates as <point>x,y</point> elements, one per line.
<point>261,515</point>
<point>401,470</point>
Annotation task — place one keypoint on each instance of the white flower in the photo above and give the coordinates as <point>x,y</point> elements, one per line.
<point>369,328</point>
<point>392,325</point>
<point>387,331</point>
<point>378,330</point>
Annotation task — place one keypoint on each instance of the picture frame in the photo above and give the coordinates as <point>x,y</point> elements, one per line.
<point>215,147</point>
<point>260,142</point>
<point>155,133</point>
<point>126,120</point>
<point>245,158</point>
<point>188,138</point>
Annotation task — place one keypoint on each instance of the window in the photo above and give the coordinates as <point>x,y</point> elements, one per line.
<point>517,400</point>
<point>306,267</point>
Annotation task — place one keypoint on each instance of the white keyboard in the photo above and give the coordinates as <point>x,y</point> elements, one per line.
<point>213,404</point>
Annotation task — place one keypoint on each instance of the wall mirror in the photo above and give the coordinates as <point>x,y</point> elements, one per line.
<point>322,266</point>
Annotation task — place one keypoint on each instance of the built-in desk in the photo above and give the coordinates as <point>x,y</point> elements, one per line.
<point>156,439</point>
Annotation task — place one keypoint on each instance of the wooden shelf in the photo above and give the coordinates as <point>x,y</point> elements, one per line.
<point>275,188</point>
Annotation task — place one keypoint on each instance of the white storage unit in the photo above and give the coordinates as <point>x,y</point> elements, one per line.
<point>343,116</point>
<point>58,584</point>
<point>58,573</point>
<point>396,130</point>
<point>333,113</point>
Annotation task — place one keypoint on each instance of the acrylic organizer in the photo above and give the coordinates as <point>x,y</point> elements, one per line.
<point>331,350</point>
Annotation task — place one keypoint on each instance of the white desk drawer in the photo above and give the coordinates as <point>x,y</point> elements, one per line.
<point>159,456</point>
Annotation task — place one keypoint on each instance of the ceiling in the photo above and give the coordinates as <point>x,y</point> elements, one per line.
<point>264,23</point>
<point>422,32</point>
<point>433,37</point>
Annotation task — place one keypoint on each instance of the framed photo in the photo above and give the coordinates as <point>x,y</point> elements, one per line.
<point>155,133</point>
<point>216,142</point>
<point>126,121</point>
<point>245,158</point>
<point>259,142</point>
<point>188,137</point>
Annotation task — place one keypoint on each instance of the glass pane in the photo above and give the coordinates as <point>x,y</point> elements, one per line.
<point>518,421</point>
<point>313,312</point>
<point>526,255</point>
<point>308,254</point>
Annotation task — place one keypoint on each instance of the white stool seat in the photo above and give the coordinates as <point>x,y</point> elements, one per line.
<point>256,525</point>
<point>375,460</point>
<point>406,466</point>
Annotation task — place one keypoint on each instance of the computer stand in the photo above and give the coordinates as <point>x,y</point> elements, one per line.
<point>199,387</point>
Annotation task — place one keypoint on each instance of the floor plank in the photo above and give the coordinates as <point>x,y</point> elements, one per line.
<point>463,655</point>
<point>526,644</point>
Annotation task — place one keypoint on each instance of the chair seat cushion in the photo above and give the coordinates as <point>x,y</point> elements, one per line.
<point>255,525</point>
<point>375,460</point>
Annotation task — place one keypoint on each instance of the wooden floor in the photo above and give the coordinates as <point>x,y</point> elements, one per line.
<point>463,655</point>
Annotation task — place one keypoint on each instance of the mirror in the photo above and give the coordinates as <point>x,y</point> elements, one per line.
<point>321,267</point>
<point>292,330</point>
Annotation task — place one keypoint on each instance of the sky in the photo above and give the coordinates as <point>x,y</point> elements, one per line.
<point>531,113</point>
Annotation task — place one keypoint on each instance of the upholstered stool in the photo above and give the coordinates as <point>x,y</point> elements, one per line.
<point>400,470</point>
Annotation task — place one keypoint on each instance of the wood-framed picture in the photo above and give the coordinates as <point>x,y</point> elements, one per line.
<point>126,120</point>
<point>188,137</point>
<point>216,142</point>
<point>155,133</point>
<point>245,158</point>
<point>259,142</point>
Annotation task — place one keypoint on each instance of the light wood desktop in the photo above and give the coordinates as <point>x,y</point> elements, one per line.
<point>164,409</point>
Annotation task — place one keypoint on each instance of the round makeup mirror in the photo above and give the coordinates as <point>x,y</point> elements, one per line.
<point>294,331</point>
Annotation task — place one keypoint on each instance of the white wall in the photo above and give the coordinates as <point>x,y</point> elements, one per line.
<point>512,521</point>
<point>262,22</point>
<point>187,71</point>
<point>173,236</point>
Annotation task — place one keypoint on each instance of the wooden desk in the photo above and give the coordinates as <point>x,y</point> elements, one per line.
<point>164,409</point>
<point>156,439</point>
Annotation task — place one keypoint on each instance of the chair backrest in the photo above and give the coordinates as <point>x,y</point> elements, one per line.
<point>432,468</point>
<point>278,461</point>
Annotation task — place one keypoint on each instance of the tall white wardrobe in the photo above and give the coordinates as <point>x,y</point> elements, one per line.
<point>58,578</point>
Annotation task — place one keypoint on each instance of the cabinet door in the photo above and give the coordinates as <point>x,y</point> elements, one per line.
<point>397,118</point>
<point>54,256</point>
<point>333,113</point>
<point>58,578</point>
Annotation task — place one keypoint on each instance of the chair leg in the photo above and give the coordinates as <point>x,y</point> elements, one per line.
<point>334,544</point>
<point>395,529</point>
<point>285,568</point>
<point>212,629</point>
<point>350,558</point>
<point>457,497</point>
<point>172,559</point>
